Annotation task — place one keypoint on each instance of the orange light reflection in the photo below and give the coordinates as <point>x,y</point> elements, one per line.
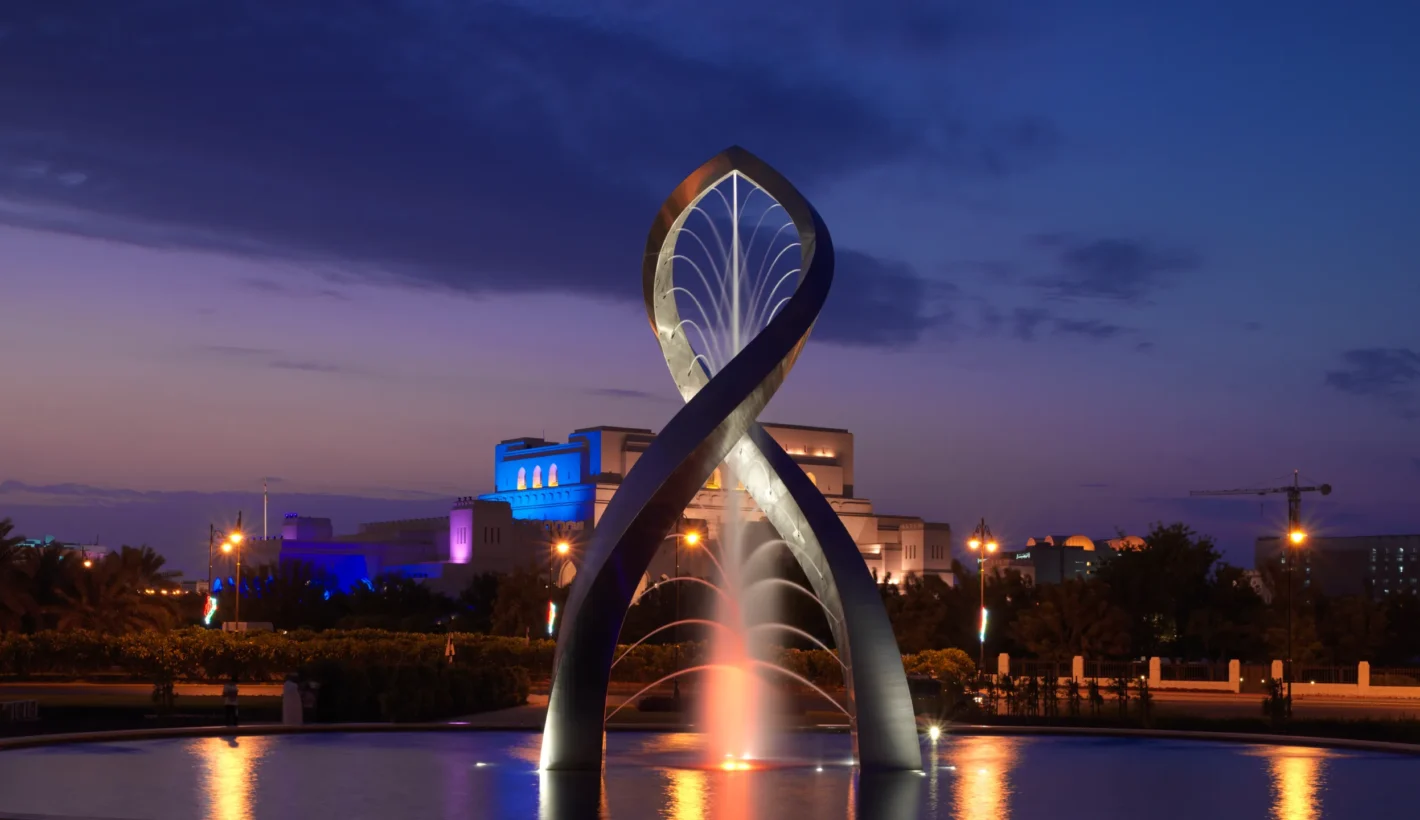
<point>982,785</point>
<point>230,765</point>
<point>687,793</point>
<point>1297,777</point>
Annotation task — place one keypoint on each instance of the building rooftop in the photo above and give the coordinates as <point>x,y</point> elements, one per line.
<point>805,427</point>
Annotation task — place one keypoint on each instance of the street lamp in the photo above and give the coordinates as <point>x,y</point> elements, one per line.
<point>691,539</point>
<point>234,543</point>
<point>1297,536</point>
<point>982,541</point>
<point>561,548</point>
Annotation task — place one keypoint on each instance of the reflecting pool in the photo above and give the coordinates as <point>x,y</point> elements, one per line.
<point>450,775</point>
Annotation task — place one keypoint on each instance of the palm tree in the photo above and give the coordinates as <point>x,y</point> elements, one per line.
<point>15,598</point>
<point>112,596</point>
<point>145,567</point>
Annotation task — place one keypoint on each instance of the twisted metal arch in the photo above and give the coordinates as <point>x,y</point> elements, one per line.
<point>718,423</point>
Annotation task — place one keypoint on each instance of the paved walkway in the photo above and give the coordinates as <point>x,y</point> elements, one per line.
<point>31,690</point>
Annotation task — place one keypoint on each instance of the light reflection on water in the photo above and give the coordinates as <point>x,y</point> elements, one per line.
<point>983,776</point>
<point>231,765</point>
<point>1298,776</point>
<point>686,796</point>
<point>493,775</point>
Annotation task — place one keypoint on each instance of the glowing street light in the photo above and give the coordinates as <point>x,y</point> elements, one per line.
<point>691,539</point>
<point>563,547</point>
<point>1297,536</point>
<point>233,543</point>
<point>981,541</point>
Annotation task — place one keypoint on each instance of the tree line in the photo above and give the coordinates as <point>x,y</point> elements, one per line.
<point>1175,598</point>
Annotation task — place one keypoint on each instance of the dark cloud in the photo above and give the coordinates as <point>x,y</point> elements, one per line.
<point>1389,375</point>
<point>1252,327</point>
<point>1025,322</point>
<point>881,303</point>
<point>1096,485</point>
<point>624,393</point>
<point>272,359</point>
<point>1029,323</point>
<point>1123,270</point>
<point>1415,462</point>
<point>476,147</point>
<point>275,288</point>
<point>234,351</point>
<point>305,367</point>
<point>1089,328</point>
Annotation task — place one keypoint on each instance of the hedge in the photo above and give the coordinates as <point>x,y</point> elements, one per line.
<point>196,654</point>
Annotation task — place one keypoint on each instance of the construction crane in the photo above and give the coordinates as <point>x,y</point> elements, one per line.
<point>1296,535</point>
<point>1294,501</point>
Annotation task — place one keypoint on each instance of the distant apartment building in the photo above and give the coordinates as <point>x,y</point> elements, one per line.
<point>1053,559</point>
<point>87,551</point>
<point>1375,565</point>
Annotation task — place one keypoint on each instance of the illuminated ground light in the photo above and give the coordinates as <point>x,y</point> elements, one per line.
<point>735,766</point>
<point>934,732</point>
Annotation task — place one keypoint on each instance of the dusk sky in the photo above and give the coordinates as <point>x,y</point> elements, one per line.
<point>1091,255</point>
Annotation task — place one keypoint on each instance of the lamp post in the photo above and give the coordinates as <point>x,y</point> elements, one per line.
<point>234,542</point>
<point>691,539</point>
<point>559,549</point>
<point>211,543</point>
<point>1296,536</point>
<point>982,542</point>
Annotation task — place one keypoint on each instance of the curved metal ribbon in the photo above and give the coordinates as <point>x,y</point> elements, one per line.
<point>718,425</point>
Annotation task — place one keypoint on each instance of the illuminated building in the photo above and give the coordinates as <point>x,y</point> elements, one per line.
<point>547,491</point>
<point>1378,565</point>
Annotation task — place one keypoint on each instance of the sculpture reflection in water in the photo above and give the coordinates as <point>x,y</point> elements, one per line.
<point>1298,774</point>
<point>230,765</point>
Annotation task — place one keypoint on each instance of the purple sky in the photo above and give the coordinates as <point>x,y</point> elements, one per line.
<point>1091,255</point>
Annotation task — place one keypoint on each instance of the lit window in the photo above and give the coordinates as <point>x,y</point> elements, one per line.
<point>713,483</point>
<point>537,478</point>
<point>813,479</point>
<point>552,475</point>
<point>522,478</point>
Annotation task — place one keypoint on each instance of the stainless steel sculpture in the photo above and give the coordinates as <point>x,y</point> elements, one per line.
<point>718,425</point>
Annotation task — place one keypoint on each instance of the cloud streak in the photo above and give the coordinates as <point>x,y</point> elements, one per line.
<point>1389,375</point>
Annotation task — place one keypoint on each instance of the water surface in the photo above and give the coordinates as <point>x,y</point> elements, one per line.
<point>451,776</point>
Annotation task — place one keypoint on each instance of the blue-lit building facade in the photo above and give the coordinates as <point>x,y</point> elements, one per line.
<point>546,492</point>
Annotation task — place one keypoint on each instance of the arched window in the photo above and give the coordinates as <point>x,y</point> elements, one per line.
<point>552,475</point>
<point>714,482</point>
<point>813,479</point>
<point>522,478</point>
<point>537,478</point>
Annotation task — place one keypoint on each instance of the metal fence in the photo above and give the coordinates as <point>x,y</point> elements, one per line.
<point>1325,674</point>
<point>1193,671</point>
<point>1110,670</point>
<point>15,711</point>
<point>1395,676</point>
<point>1026,668</point>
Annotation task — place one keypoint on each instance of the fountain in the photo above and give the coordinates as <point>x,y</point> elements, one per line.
<point>741,336</point>
<point>749,319</point>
